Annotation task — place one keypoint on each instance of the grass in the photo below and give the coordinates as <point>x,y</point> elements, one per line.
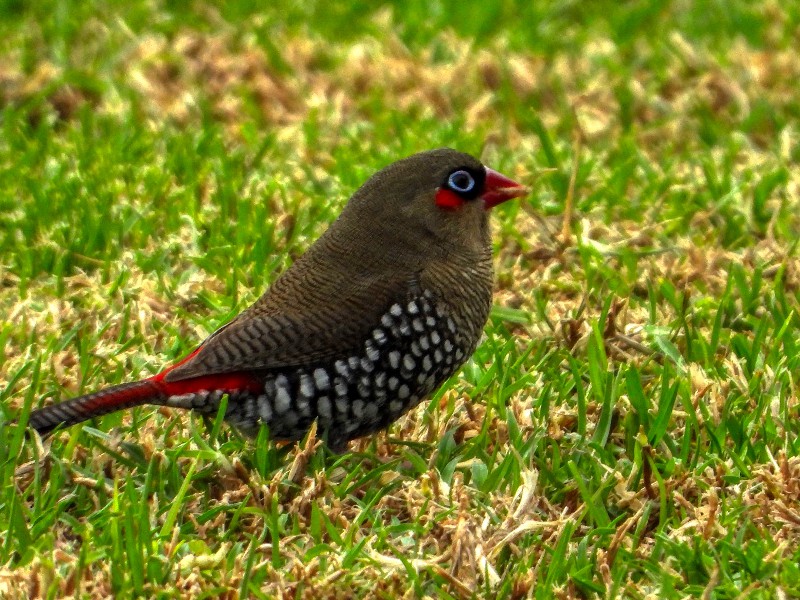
<point>628,427</point>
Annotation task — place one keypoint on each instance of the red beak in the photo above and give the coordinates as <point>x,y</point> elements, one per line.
<point>499,188</point>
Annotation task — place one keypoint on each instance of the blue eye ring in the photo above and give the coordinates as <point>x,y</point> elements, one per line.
<point>461,181</point>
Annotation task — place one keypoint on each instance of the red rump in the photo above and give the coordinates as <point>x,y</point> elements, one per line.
<point>227,382</point>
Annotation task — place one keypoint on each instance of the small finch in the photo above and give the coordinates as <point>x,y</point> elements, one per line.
<point>379,312</point>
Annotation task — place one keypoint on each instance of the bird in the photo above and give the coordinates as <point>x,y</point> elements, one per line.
<point>372,319</point>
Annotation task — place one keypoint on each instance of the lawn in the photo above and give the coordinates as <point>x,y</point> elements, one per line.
<point>628,425</point>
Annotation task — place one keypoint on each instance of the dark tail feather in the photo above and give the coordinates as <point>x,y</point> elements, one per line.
<point>93,405</point>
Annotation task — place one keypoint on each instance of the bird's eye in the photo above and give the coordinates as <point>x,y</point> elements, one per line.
<point>461,182</point>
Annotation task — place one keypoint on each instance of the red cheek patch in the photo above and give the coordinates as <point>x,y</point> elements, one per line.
<point>448,200</point>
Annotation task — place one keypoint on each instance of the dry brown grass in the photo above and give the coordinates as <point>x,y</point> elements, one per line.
<point>468,536</point>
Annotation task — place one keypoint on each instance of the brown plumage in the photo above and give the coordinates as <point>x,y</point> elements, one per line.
<point>375,316</point>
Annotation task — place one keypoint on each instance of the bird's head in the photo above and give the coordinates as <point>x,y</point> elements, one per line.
<point>436,199</point>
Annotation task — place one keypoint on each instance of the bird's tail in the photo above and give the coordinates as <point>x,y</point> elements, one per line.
<point>83,408</point>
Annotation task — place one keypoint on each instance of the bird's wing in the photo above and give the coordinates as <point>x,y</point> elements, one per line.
<point>298,323</point>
